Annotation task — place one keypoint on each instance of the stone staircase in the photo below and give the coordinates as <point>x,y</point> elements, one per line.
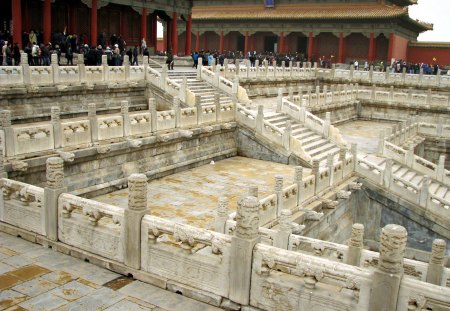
<point>199,87</point>
<point>316,146</point>
<point>155,64</point>
<point>410,175</point>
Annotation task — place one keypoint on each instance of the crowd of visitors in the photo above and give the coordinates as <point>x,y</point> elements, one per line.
<point>65,45</point>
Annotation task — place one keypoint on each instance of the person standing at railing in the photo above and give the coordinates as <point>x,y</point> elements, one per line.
<point>169,60</point>
<point>143,46</point>
<point>16,54</point>
<point>195,58</point>
<point>135,56</point>
<point>8,54</point>
<point>69,54</point>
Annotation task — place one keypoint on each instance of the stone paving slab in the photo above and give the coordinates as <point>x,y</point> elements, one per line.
<point>48,280</point>
<point>192,196</point>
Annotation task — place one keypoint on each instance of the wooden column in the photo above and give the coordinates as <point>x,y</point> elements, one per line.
<point>187,50</point>
<point>221,42</point>
<point>174,34</point>
<point>246,44</point>
<point>47,21</point>
<point>197,41</point>
<point>281,42</point>
<point>370,57</point>
<point>341,48</point>
<point>94,23</point>
<point>144,24</point>
<point>391,47</point>
<point>17,21</point>
<point>310,46</point>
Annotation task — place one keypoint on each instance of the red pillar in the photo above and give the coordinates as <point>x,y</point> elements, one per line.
<point>174,34</point>
<point>94,23</point>
<point>310,46</point>
<point>391,46</point>
<point>371,48</point>
<point>144,24</point>
<point>47,21</point>
<point>341,48</point>
<point>281,42</point>
<point>187,50</point>
<point>221,42</point>
<point>17,22</point>
<point>246,44</point>
<point>197,41</point>
<point>154,27</point>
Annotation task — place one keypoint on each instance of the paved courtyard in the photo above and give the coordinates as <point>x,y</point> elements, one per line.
<point>36,278</point>
<point>192,196</point>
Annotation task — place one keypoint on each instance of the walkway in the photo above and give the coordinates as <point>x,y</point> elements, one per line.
<point>36,278</point>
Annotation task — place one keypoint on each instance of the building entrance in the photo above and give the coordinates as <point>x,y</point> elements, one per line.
<point>269,43</point>
<point>302,45</point>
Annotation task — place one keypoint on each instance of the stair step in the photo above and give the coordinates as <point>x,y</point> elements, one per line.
<point>311,139</point>
<point>323,156</point>
<point>401,171</point>
<point>323,149</point>
<point>433,187</point>
<point>409,175</point>
<point>441,191</point>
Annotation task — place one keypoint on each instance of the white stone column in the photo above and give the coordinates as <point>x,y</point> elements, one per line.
<point>221,215</point>
<point>25,68</point>
<point>3,174</point>
<point>5,118</point>
<point>81,67</point>
<point>125,118</point>
<point>315,172</point>
<point>183,89</point>
<point>436,264</point>
<point>354,150</point>
<point>198,106</point>
<point>136,209</point>
<point>279,100</point>
<point>388,276</point>
<point>55,113</point>
<point>330,164</point>
<point>279,180</point>
<point>55,67</point>
<point>381,138</point>
<point>153,114</point>
<point>281,239</point>
<point>387,175</point>
<point>177,110</point>
<point>286,136</point>
<point>126,67</point>
<point>92,115</point>
<point>242,244</point>
<point>440,169</point>
<point>355,245</point>
<point>326,124</point>
<point>105,67</point>
<point>424,191</point>
<point>298,179</point>
<point>54,187</point>
<point>217,104</point>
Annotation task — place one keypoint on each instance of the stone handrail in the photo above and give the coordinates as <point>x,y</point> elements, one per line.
<point>22,205</point>
<point>59,133</point>
<point>419,195</point>
<point>79,219</point>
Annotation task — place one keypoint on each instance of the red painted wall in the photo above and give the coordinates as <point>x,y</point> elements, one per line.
<point>426,55</point>
<point>400,48</point>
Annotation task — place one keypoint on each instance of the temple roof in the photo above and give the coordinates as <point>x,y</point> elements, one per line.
<point>299,11</point>
<point>430,44</point>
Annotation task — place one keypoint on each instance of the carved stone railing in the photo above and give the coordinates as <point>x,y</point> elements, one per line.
<point>91,226</point>
<point>417,194</point>
<point>22,205</point>
<point>186,255</point>
<point>83,132</point>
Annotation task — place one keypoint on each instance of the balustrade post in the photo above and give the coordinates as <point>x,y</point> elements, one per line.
<point>132,218</point>
<point>424,191</point>
<point>291,94</point>
<point>420,75</point>
<point>279,180</point>
<point>260,119</point>
<point>221,215</point>
<point>330,164</point>
<point>92,116</point>
<point>235,87</point>
<point>317,96</point>
<point>217,76</point>
<point>25,68</point>
<point>183,90</point>
<point>54,187</point>
<point>440,169</point>
<point>436,263</point>
<point>162,82</point>
<point>237,68</point>
<point>55,114</point>
<point>428,96</point>
<point>198,106</point>
<point>281,239</point>
<point>381,142</point>
<point>387,176</point>
<point>316,173</point>
<point>105,68</point>
<point>217,107</point>
<point>410,156</point>
<point>404,75</point>
<point>279,100</point>
<point>153,114</point>
<point>10,148</point>
<point>81,67</point>
<point>177,110</point>
<point>327,124</point>
<point>242,244</point>
<point>388,276</point>
<point>355,245</point>
<point>386,76</point>
<point>126,65</point>
<point>371,74</point>
<point>354,151</point>
<point>55,67</point>
<point>333,71</point>
<point>302,114</point>
<point>298,179</point>
<point>343,160</point>
<point>373,93</point>
<point>3,174</point>
<point>126,118</point>
<point>286,136</point>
